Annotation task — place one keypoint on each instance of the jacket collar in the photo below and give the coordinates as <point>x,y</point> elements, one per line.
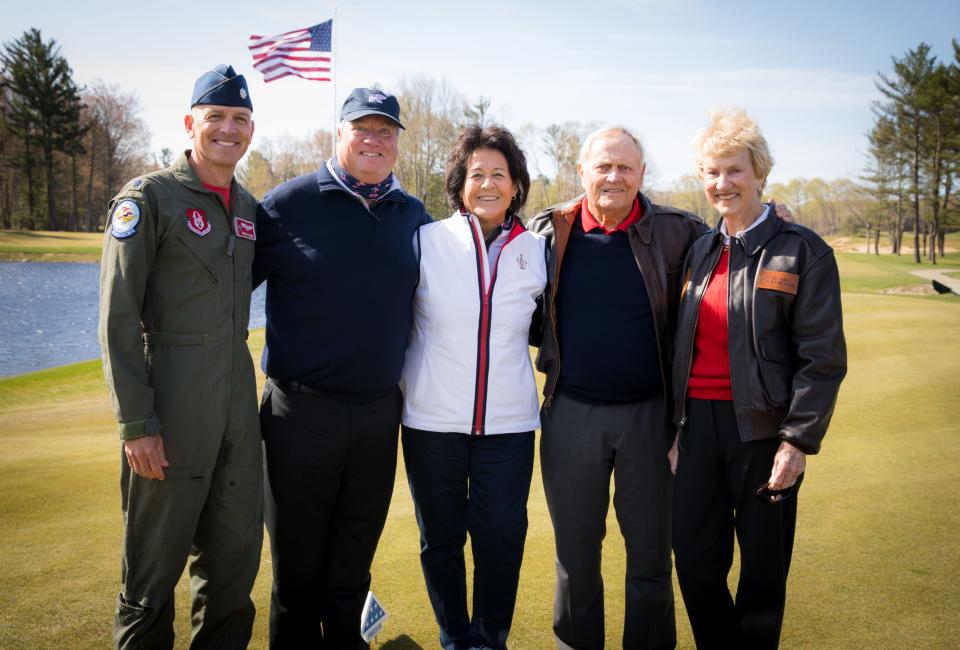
<point>755,239</point>
<point>184,173</point>
<point>516,227</point>
<point>644,227</point>
<point>565,213</point>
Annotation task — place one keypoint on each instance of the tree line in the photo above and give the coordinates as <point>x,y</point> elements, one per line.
<point>65,150</point>
<point>914,152</point>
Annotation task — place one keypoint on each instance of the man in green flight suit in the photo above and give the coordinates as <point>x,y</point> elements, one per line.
<point>175,289</point>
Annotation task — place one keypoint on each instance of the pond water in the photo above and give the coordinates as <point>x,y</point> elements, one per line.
<point>49,313</point>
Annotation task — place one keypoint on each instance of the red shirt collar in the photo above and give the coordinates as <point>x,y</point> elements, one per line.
<point>224,192</point>
<point>590,223</point>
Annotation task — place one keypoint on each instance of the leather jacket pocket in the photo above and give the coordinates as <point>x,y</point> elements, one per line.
<point>776,366</point>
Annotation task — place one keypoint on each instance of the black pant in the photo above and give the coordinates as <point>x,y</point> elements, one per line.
<point>330,469</point>
<point>581,446</point>
<point>713,498</point>
<point>476,484</point>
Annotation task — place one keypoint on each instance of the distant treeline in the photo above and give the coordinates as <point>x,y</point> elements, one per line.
<point>65,150</point>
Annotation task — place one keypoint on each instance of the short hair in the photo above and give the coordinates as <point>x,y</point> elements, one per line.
<point>610,129</point>
<point>494,137</point>
<point>730,130</point>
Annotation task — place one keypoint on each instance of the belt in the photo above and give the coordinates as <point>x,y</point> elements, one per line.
<point>297,386</point>
<point>301,387</point>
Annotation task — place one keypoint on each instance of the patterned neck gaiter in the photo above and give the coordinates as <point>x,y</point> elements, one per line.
<point>369,191</point>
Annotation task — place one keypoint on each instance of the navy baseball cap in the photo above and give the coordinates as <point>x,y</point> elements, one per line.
<point>371,101</point>
<point>223,87</point>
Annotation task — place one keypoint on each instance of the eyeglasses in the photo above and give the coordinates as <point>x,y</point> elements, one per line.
<point>765,494</point>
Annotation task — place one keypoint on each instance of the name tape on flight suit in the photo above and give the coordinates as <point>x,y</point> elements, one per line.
<point>244,228</point>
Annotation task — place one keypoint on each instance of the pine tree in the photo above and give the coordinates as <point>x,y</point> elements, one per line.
<point>43,108</point>
<point>906,107</point>
<point>884,178</point>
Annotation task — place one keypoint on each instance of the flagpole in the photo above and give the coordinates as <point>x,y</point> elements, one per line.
<point>336,73</point>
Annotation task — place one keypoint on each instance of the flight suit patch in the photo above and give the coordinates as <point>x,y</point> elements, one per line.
<point>778,281</point>
<point>197,222</point>
<point>244,228</point>
<point>124,220</point>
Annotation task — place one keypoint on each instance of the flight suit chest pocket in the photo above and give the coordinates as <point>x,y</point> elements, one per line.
<point>203,238</point>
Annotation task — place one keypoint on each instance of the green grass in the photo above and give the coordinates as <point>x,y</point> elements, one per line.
<point>50,246</point>
<point>862,273</point>
<point>875,561</point>
<point>77,380</point>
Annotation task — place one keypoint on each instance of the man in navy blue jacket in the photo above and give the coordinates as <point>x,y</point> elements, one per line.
<point>334,247</point>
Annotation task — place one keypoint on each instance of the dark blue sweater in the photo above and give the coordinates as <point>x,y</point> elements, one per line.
<point>340,281</point>
<point>605,322</point>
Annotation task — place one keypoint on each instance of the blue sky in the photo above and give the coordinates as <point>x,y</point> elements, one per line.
<point>805,70</point>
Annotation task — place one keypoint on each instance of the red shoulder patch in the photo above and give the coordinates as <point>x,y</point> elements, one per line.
<point>197,221</point>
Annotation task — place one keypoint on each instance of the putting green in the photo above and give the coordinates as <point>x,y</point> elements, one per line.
<point>875,562</point>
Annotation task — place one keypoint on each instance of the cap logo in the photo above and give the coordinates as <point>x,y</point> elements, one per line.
<point>197,222</point>
<point>377,98</point>
<point>243,93</point>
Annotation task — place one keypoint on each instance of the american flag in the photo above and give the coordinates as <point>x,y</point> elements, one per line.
<point>306,53</point>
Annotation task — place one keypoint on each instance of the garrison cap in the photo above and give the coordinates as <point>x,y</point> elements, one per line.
<point>370,101</point>
<point>223,87</point>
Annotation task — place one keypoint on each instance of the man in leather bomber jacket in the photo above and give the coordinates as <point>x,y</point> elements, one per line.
<point>610,306</point>
<point>659,245</point>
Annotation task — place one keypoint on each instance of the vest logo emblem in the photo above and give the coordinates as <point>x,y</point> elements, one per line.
<point>521,261</point>
<point>244,228</point>
<point>197,222</point>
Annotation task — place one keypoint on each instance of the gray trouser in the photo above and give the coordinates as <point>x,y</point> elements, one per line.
<point>581,445</point>
<point>208,510</point>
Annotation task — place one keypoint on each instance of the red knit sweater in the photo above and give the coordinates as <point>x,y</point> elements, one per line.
<point>710,371</point>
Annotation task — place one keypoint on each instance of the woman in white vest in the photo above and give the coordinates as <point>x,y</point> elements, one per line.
<point>470,401</point>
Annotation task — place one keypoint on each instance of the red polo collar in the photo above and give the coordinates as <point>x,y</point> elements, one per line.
<point>590,223</point>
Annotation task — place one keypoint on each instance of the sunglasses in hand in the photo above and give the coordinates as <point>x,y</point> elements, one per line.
<point>765,494</point>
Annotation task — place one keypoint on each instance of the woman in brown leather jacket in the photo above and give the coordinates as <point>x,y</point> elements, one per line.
<point>759,359</point>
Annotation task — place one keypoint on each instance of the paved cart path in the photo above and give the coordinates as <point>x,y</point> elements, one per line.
<point>940,275</point>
